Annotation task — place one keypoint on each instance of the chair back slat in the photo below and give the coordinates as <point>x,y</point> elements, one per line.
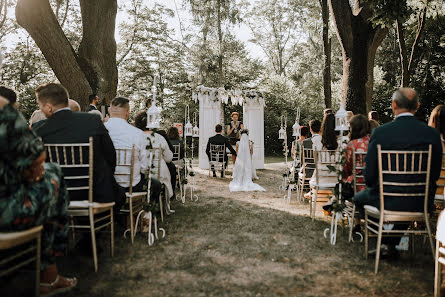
<point>70,156</point>
<point>217,152</point>
<point>358,165</point>
<point>156,162</point>
<point>404,174</point>
<point>176,152</point>
<point>125,160</point>
<point>324,158</point>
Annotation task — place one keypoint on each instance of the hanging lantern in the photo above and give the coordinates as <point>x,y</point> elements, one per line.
<point>341,120</point>
<point>195,128</point>
<point>296,126</point>
<point>282,132</point>
<point>153,113</point>
<point>188,128</point>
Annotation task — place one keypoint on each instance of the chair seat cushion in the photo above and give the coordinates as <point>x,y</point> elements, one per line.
<point>391,215</point>
<point>135,194</point>
<point>313,183</point>
<point>86,204</point>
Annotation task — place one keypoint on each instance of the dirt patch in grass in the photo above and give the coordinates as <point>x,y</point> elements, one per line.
<point>246,244</point>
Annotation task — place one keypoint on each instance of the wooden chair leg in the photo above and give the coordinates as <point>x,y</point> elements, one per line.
<point>430,236</point>
<point>379,244</point>
<point>366,235</point>
<point>314,201</point>
<point>351,225</point>
<point>93,241</point>
<point>130,202</point>
<point>161,207</point>
<point>38,249</point>
<point>437,271</point>
<point>112,233</point>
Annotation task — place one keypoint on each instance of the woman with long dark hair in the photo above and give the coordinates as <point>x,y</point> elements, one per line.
<point>329,138</point>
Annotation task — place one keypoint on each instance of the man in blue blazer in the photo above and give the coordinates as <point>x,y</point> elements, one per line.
<point>404,133</point>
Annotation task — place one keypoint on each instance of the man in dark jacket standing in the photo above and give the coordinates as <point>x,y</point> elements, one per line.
<point>219,139</point>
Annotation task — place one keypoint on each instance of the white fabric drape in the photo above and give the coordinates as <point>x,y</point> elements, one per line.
<point>243,172</point>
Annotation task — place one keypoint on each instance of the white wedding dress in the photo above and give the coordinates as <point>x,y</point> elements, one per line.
<point>243,171</point>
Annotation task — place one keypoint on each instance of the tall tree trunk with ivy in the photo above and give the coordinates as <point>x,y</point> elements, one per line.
<point>327,54</point>
<point>359,40</point>
<point>93,68</point>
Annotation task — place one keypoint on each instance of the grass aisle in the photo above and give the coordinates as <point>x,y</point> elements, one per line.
<point>246,244</point>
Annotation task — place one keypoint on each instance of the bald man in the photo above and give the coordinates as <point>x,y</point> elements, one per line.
<point>404,133</point>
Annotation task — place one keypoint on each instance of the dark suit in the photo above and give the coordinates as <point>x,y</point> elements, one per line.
<point>66,126</point>
<point>404,133</point>
<point>218,139</point>
<point>91,107</point>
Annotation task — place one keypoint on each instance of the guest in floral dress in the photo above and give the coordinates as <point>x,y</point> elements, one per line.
<point>33,193</point>
<point>358,142</point>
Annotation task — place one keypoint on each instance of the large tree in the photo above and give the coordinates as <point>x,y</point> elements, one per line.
<point>327,42</point>
<point>92,69</point>
<point>359,39</point>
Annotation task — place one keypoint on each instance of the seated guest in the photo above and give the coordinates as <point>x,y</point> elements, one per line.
<point>73,105</point>
<point>314,127</point>
<point>38,115</point>
<point>373,115</point>
<point>173,134</point>
<point>156,141</point>
<point>372,125</point>
<point>9,95</point>
<point>404,133</point>
<point>33,193</point>
<point>359,140</point>
<point>65,126</point>
<point>437,121</point>
<point>219,139</point>
<point>329,141</point>
<point>295,150</point>
<point>350,115</point>
<point>124,136</point>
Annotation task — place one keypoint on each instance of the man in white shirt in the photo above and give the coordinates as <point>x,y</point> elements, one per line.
<point>124,136</point>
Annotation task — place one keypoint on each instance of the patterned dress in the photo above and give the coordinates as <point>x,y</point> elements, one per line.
<point>25,204</point>
<point>358,145</point>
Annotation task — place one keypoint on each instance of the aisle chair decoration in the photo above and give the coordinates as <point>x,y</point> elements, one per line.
<point>341,125</point>
<point>282,135</point>
<point>153,113</point>
<point>291,184</point>
<point>147,215</point>
<point>189,131</point>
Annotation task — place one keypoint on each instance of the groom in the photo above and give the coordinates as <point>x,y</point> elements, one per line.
<point>219,139</point>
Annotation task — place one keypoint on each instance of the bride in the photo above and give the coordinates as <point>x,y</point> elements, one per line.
<point>243,171</point>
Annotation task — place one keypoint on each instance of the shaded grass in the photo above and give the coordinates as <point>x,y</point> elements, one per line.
<point>220,246</point>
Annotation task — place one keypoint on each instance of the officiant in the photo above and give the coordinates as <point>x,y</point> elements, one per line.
<point>233,131</point>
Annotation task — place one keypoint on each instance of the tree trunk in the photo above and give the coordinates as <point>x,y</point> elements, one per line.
<point>406,64</point>
<point>94,69</point>
<point>402,52</point>
<point>54,45</point>
<point>359,42</point>
<point>220,56</point>
<point>97,50</point>
<point>327,54</point>
<point>220,41</point>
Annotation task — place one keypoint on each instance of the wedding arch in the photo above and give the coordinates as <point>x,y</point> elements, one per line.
<point>210,115</point>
